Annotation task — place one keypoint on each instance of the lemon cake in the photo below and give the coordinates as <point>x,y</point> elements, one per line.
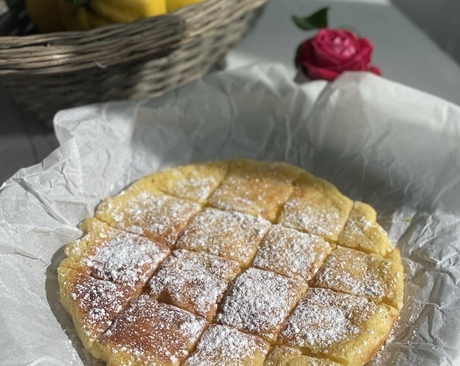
<point>232,263</point>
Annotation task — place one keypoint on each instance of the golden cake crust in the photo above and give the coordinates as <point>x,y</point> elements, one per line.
<point>233,263</point>
<point>289,356</point>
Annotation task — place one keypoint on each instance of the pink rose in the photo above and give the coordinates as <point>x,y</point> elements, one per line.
<point>333,51</point>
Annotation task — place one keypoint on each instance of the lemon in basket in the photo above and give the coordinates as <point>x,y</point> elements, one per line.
<point>172,5</point>
<point>45,15</point>
<point>81,15</point>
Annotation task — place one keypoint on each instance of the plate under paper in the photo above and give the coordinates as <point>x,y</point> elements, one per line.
<point>380,142</point>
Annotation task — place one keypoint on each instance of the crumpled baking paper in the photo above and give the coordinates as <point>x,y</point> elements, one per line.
<point>380,142</point>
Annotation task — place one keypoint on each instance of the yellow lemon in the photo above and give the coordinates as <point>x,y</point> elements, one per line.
<point>177,4</point>
<point>45,14</point>
<point>81,15</point>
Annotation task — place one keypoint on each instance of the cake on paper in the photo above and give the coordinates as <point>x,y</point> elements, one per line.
<point>232,263</point>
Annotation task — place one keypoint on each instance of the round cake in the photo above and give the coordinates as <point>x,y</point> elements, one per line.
<point>232,263</point>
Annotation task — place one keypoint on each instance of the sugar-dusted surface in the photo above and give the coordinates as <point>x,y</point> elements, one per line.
<point>351,272</point>
<point>361,274</point>
<point>255,188</point>
<point>324,318</point>
<point>127,259</point>
<point>148,212</point>
<point>114,255</point>
<point>291,253</point>
<point>345,328</point>
<point>193,182</point>
<point>362,232</point>
<point>316,207</point>
<point>225,346</point>
<point>193,281</point>
<point>258,302</point>
<point>268,303</point>
<point>289,356</point>
<point>230,235</point>
<point>150,333</point>
<point>93,304</point>
<point>95,234</point>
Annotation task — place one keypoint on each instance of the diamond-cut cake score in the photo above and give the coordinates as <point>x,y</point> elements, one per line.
<point>232,263</point>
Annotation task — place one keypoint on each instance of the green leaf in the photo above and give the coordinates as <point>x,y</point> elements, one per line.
<point>315,21</point>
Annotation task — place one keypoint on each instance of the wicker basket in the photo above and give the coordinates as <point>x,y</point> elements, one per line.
<point>49,72</point>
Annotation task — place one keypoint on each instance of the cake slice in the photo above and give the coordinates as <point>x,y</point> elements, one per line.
<point>362,232</point>
<point>114,255</point>
<point>316,207</point>
<point>369,275</point>
<point>193,281</point>
<point>224,346</point>
<point>231,235</point>
<point>258,302</point>
<point>292,253</point>
<point>340,327</point>
<point>143,209</point>
<point>191,182</point>
<point>91,303</point>
<point>150,333</point>
<point>255,188</point>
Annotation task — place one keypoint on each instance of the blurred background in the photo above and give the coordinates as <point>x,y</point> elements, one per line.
<point>440,19</point>
<point>417,43</point>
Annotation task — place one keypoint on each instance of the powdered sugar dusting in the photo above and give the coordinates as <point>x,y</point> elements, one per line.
<point>125,258</point>
<point>354,229</point>
<point>157,214</point>
<point>201,275</point>
<point>314,211</point>
<point>255,188</point>
<point>324,318</point>
<point>228,234</point>
<point>291,253</point>
<point>196,188</point>
<point>193,281</point>
<point>221,345</point>
<point>363,232</point>
<point>310,219</point>
<point>193,182</point>
<point>153,333</point>
<point>353,272</point>
<point>259,301</point>
<point>99,302</point>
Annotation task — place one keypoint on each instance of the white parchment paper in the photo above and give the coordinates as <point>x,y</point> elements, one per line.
<point>380,142</point>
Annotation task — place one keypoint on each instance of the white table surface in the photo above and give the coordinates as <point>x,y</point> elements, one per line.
<point>402,51</point>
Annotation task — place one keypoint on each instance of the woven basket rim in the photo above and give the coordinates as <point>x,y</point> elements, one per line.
<point>147,61</point>
<point>185,14</point>
<point>63,52</point>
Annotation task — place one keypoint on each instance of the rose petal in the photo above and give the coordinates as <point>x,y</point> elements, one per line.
<point>334,46</point>
<point>359,61</point>
<point>347,45</point>
<point>318,73</point>
<point>325,57</point>
<point>306,53</point>
<point>375,70</point>
<point>334,55</point>
<point>365,43</point>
